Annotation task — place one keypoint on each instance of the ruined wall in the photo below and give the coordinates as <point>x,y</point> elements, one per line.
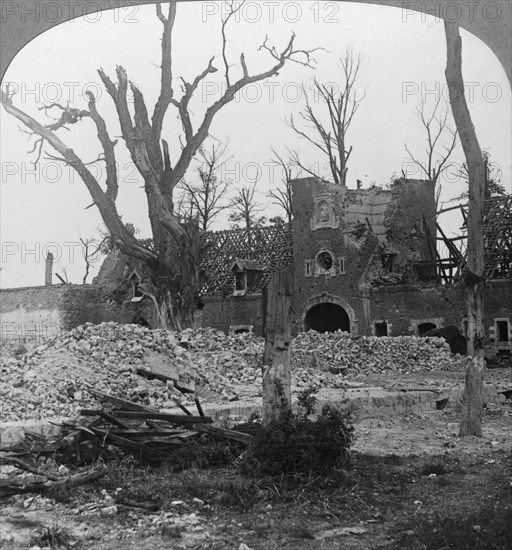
<point>404,307</point>
<point>354,227</point>
<point>412,201</point>
<point>30,313</point>
<point>35,313</point>
<point>321,224</point>
<point>232,313</point>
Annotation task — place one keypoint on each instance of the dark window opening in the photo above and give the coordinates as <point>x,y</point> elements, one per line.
<point>423,328</point>
<point>242,330</point>
<point>137,292</point>
<point>381,329</point>
<point>341,266</point>
<point>502,331</point>
<point>327,317</point>
<point>308,268</point>
<point>325,260</point>
<point>240,281</point>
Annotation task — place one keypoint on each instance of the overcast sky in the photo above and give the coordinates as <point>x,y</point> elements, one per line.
<point>403,59</point>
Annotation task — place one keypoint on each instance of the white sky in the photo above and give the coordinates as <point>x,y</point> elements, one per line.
<point>44,209</point>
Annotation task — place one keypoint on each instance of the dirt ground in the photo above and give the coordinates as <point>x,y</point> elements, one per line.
<point>413,484</point>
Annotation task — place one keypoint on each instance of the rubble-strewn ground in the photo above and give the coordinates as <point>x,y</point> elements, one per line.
<point>413,484</point>
<point>51,380</point>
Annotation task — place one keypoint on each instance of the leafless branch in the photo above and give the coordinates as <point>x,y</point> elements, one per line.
<point>436,126</point>
<point>342,105</point>
<point>207,198</point>
<point>246,207</point>
<point>283,195</point>
<point>104,203</point>
<point>232,11</point>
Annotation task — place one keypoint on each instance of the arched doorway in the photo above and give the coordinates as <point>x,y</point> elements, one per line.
<point>327,317</point>
<point>327,313</point>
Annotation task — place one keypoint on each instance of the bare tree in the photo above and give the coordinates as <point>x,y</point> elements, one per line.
<point>92,249</point>
<point>246,208</point>
<point>472,401</point>
<point>441,141</point>
<point>282,196</point>
<point>342,104</point>
<point>207,199</point>
<point>175,254</point>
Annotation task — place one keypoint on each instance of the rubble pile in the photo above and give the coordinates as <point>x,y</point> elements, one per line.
<point>52,380</point>
<point>223,361</point>
<point>341,352</point>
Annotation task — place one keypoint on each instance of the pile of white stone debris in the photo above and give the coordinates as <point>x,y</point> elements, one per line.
<point>52,380</point>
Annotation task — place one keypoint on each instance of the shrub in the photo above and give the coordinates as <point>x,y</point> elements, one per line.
<point>299,444</point>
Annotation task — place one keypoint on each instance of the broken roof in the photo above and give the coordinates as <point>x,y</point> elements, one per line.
<point>264,249</point>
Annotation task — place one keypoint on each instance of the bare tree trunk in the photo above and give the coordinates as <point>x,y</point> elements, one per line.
<point>472,401</point>
<point>276,357</point>
<point>176,275</point>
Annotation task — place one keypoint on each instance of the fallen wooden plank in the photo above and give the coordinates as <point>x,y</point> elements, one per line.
<point>183,387</point>
<point>144,433</point>
<point>74,437</point>
<point>157,374</point>
<point>182,407</point>
<point>118,440</point>
<point>173,418</point>
<point>105,416</point>
<point>165,375</point>
<point>199,407</point>
<point>420,388</point>
<point>11,487</point>
<point>167,442</point>
<point>14,461</point>
<point>223,432</point>
<point>120,402</point>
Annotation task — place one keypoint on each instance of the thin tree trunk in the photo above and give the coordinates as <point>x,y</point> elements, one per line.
<point>276,357</point>
<point>472,401</point>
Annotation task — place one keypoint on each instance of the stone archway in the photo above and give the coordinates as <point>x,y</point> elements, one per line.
<point>327,317</point>
<point>328,313</point>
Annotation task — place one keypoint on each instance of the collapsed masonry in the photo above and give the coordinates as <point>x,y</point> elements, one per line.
<point>366,261</point>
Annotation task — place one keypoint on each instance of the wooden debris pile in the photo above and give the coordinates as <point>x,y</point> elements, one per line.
<point>27,474</point>
<point>145,432</point>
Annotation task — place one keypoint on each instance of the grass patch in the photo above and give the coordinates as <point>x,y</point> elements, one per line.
<point>161,485</point>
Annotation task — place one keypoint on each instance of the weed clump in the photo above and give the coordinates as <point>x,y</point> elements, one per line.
<point>52,536</point>
<point>436,467</point>
<point>299,442</point>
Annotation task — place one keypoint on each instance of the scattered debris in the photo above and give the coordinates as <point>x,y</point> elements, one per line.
<point>153,369</point>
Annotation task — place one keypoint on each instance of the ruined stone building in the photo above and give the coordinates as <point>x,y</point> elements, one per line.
<point>365,261</point>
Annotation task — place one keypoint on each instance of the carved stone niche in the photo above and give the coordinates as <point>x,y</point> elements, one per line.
<point>323,213</point>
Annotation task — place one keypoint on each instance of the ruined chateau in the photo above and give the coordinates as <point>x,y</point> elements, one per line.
<point>365,261</point>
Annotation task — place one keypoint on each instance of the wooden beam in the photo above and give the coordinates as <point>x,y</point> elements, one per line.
<point>173,418</point>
